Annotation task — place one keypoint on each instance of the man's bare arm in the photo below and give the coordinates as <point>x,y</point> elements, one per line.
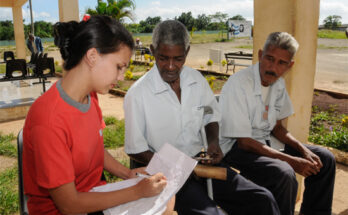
<point>214,150</point>
<point>142,157</point>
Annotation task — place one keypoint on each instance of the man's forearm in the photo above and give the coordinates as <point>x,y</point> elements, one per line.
<point>212,132</point>
<point>284,136</point>
<point>251,145</point>
<point>143,157</point>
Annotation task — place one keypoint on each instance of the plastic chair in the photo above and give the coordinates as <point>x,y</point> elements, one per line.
<point>16,65</point>
<point>23,199</point>
<point>8,54</point>
<point>41,65</point>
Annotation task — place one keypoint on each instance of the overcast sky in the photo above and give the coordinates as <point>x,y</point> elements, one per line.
<point>47,10</point>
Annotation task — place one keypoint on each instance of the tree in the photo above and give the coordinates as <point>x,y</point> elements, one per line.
<point>202,22</point>
<point>332,22</point>
<point>238,17</point>
<point>186,19</point>
<point>6,30</point>
<point>119,9</point>
<point>219,17</point>
<point>147,25</point>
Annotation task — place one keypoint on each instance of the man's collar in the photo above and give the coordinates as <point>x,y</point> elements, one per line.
<point>159,86</point>
<point>257,79</point>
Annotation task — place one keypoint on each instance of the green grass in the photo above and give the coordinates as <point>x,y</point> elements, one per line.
<point>2,68</point>
<point>111,178</point>
<point>7,147</point>
<point>327,129</point>
<point>9,191</point>
<point>331,34</point>
<point>322,46</point>
<point>196,38</point>
<point>245,46</point>
<point>113,133</point>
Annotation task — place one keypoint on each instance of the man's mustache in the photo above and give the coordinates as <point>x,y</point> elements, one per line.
<point>271,73</point>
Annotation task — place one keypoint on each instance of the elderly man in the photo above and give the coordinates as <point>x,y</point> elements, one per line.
<point>166,106</point>
<point>253,104</point>
<point>34,44</point>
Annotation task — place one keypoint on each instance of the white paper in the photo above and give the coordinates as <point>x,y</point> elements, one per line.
<point>175,165</point>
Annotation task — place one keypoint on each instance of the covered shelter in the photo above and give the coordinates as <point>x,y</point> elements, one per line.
<point>68,10</point>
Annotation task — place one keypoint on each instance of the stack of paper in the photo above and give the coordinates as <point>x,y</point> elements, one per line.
<point>175,165</point>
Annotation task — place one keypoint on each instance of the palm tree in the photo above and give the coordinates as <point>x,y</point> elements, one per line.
<point>117,9</point>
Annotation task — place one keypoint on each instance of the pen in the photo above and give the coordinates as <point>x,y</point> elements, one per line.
<point>142,175</point>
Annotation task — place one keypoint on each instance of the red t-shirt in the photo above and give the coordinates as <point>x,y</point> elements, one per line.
<point>61,145</point>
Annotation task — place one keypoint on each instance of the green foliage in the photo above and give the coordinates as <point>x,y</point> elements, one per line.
<point>9,191</point>
<point>2,68</point>
<point>109,120</point>
<point>42,29</point>
<point>111,178</point>
<point>202,22</point>
<point>238,17</point>
<point>6,30</point>
<point>327,128</point>
<point>210,62</point>
<point>186,19</point>
<point>332,22</point>
<point>119,9</point>
<point>7,148</point>
<point>149,24</point>
<point>331,34</point>
<point>114,133</point>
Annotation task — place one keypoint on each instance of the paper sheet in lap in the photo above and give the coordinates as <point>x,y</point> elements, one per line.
<point>175,165</point>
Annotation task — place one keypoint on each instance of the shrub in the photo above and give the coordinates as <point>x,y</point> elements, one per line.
<point>128,75</point>
<point>223,62</point>
<point>210,62</point>
<point>114,134</point>
<point>210,80</point>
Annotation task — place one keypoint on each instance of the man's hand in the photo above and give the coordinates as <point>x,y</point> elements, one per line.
<point>303,166</point>
<point>313,158</point>
<point>214,151</point>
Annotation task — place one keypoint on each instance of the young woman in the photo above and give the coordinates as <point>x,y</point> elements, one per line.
<point>63,153</point>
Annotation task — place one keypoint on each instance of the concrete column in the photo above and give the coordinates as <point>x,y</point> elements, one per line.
<point>68,10</point>
<point>19,31</point>
<point>299,18</point>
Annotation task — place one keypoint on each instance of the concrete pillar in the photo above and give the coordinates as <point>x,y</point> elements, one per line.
<point>299,18</point>
<point>19,31</point>
<point>68,10</point>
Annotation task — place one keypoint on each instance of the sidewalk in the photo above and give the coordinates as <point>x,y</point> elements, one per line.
<point>113,106</point>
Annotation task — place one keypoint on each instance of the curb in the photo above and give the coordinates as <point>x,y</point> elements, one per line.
<point>340,156</point>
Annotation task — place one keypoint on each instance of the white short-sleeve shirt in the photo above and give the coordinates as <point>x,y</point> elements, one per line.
<point>243,111</point>
<point>154,115</point>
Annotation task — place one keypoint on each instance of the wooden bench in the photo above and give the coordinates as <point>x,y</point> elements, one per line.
<point>231,58</point>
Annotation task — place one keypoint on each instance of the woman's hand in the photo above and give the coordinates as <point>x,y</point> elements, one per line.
<point>151,186</point>
<point>132,172</point>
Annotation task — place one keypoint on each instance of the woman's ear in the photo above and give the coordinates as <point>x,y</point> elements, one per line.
<point>91,57</point>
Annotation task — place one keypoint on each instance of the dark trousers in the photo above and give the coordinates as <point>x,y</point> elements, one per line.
<point>236,195</point>
<point>279,178</point>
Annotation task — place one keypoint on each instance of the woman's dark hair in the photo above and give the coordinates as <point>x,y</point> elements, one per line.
<point>74,39</point>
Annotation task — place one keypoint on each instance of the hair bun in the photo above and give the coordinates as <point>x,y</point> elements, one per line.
<point>63,33</point>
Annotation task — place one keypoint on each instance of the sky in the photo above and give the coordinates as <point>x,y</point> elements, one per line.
<point>47,10</point>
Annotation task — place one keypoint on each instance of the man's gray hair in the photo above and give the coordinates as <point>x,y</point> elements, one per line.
<point>282,40</point>
<point>170,32</point>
